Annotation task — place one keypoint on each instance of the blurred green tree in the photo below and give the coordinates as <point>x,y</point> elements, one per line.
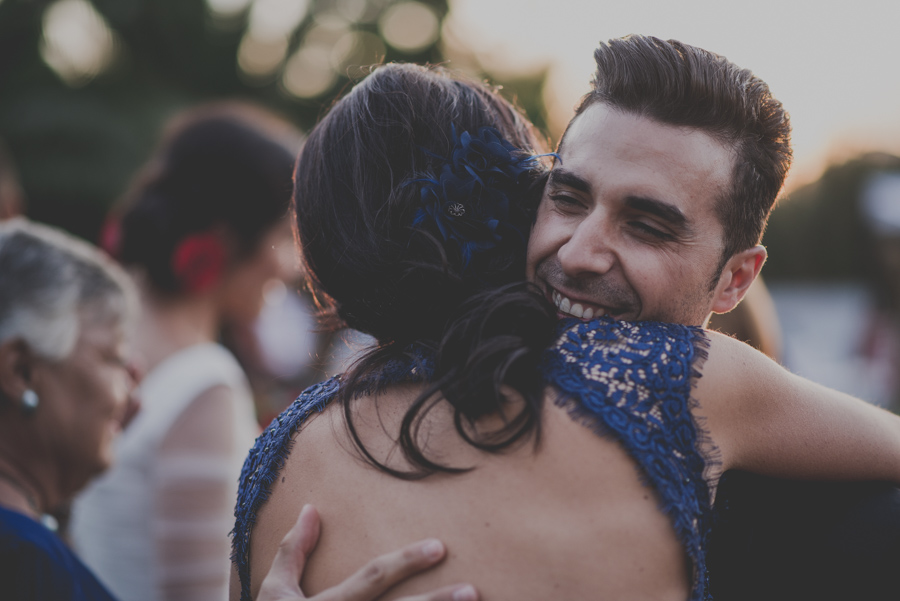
<point>818,231</point>
<point>86,84</point>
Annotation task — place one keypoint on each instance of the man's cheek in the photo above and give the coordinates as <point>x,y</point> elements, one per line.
<point>532,257</point>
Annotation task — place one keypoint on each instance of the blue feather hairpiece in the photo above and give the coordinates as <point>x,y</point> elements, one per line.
<point>468,202</point>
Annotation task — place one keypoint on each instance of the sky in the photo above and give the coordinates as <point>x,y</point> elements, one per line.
<point>834,65</point>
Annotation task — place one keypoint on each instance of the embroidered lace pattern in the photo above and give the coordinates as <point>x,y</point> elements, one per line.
<point>262,466</point>
<point>632,381</point>
<point>628,381</point>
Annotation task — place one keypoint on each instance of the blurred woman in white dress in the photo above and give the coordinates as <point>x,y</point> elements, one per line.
<point>202,232</point>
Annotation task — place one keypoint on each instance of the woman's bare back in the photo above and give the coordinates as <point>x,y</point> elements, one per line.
<point>570,519</point>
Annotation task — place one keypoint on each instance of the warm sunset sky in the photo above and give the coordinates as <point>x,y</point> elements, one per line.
<point>834,65</point>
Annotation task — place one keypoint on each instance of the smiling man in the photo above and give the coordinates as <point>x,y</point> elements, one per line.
<point>667,175</point>
<point>628,221</point>
<point>655,211</point>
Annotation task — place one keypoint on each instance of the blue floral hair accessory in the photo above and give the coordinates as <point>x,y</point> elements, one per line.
<point>468,202</point>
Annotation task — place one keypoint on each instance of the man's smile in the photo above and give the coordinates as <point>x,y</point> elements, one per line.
<point>575,307</point>
<point>587,297</point>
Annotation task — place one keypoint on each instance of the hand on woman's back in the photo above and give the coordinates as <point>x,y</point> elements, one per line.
<point>282,583</point>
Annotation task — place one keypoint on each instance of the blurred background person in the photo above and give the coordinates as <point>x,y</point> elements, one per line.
<point>203,232</point>
<point>880,208</point>
<point>65,380</point>
<point>833,277</point>
<point>283,351</point>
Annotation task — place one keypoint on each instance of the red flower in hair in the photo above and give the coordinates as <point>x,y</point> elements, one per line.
<point>111,236</point>
<point>198,262</point>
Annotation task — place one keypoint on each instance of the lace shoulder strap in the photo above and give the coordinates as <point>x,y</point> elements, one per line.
<point>262,466</point>
<point>632,381</point>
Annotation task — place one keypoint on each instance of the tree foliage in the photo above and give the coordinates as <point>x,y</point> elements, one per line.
<point>77,144</point>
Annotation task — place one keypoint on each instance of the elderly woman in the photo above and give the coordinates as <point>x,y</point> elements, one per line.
<point>64,386</point>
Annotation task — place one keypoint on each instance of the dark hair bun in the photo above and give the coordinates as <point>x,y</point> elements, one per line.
<point>358,192</point>
<point>219,165</point>
<point>409,229</point>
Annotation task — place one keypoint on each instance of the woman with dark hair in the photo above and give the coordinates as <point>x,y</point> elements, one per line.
<point>202,232</point>
<point>558,460</point>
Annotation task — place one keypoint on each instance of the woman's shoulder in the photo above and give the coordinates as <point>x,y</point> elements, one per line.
<point>266,460</point>
<point>272,446</point>
<point>646,352</point>
<point>20,531</point>
<point>630,377</point>
<point>36,564</point>
<point>613,336</point>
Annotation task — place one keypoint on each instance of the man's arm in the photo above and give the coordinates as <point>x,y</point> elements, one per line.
<point>769,421</point>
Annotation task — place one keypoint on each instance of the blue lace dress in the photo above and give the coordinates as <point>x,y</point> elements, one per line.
<point>630,381</point>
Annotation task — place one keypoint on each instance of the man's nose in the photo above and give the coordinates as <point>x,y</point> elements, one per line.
<point>588,251</point>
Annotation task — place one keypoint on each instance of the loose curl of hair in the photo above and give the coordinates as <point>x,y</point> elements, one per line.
<point>371,270</point>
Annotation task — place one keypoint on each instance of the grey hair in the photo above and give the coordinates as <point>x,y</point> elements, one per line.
<point>50,282</point>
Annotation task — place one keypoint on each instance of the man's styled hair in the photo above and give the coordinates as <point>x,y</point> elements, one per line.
<point>681,85</point>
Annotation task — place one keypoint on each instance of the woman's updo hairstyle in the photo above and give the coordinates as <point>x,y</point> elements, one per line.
<point>384,267</point>
<point>383,276</point>
<point>221,165</point>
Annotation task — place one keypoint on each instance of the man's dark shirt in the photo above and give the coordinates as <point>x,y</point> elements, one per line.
<point>785,540</point>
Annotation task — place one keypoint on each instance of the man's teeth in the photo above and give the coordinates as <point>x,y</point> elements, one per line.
<point>575,309</point>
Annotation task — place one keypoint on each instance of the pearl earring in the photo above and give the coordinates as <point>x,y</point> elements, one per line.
<point>29,401</point>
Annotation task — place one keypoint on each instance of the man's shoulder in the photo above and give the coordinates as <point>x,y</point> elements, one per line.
<point>661,350</point>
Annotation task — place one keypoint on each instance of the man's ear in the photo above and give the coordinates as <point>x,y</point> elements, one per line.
<point>735,280</point>
<point>16,361</point>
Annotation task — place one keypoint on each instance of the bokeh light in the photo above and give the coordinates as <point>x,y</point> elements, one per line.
<point>227,8</point>
<point>354,11</point>
<point>265,44</point>
<point>308,72</point>
<point>261,58</point>
<point>272,19</point>
<point>355,51</point>
<point>328,29</point>
<point>77,43</point>
<point>409,26</point>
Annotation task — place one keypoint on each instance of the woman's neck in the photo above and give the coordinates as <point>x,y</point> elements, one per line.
<point>169,325</point>
<point>19,492</point>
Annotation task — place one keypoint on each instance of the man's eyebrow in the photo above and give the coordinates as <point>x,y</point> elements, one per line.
<point>663,210</point>
<point>561,177</point>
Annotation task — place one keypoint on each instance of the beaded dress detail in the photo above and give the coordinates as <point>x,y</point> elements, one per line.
<point>628,381</point>
<point>632,381</point>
